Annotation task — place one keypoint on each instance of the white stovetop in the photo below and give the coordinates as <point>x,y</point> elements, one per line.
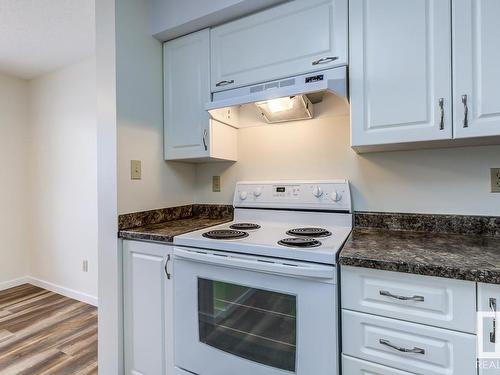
<point>274,224</point>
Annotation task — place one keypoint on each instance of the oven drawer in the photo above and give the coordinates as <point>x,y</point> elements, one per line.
<point>354,366</point>
<point>428,300</point>
<point>408,346</point>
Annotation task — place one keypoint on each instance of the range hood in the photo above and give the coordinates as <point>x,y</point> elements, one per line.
<point>282,100</point>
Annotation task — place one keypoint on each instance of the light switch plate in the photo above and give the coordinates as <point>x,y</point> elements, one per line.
<point>495,180</point>
<point>135,170</point>
<point>216,184</point>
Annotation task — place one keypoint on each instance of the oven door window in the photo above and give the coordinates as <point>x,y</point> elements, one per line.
<point>254,324</point>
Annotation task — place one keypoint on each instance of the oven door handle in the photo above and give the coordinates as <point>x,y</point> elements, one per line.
<point>315,271</point>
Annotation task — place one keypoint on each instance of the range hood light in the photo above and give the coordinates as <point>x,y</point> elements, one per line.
<point>290,108</point>
<point>278,105</point>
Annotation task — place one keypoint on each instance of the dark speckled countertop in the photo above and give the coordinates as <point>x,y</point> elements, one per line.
<point>164,224</point>
<point>165,232</point>
<point>465,252</point>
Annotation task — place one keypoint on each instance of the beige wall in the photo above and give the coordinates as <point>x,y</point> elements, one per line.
<point>64,177</point>
<point>453,181</point>
<point>15,224</point>
<point>140,117</point>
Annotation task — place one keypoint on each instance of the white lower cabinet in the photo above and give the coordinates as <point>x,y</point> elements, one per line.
<point>408,346</point>
<point>488,329</point>
<point>148,300</point>
<point>396,323</point>
<point>438,302</point>
<point>353,366</point>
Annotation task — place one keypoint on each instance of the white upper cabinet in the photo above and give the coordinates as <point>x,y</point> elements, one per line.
<point>400,71</point>
<point>293,38</point>
<point>189,133</point>
<point>476,50</point>
<point>187,90</point>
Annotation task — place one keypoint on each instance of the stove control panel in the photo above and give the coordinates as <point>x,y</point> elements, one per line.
<point>286,191</point>
<point>316,195</point>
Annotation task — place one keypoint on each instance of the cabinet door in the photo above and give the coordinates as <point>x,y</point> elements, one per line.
<point>476,52</point>
<point>400,71</point>
<point>147,309</point>
<point>294,38</point>
<point>488,329</point>
<point>186,92</point>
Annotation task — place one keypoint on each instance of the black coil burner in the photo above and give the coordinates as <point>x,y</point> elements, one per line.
<point>225,234</point>
<point>244,226</point>
<point>300,242</point>
<point>309,232</point>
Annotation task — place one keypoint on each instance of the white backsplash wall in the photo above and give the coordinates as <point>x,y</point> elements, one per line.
<point>444,181</point>
<point>14,181</point>
<point>140,118</point>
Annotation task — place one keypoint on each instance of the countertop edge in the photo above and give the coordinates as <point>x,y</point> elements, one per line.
<point>410,266</point>
<point>479,276</point>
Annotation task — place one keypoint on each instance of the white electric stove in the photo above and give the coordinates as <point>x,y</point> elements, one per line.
<point>257,296</point>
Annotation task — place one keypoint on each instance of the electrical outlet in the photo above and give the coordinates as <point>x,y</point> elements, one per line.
<point>85,266</point>
<point>495,180</point>
<point>216,184</point>
<point>135,170</point>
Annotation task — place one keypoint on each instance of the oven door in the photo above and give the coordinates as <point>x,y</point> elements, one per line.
<point>238,314</point>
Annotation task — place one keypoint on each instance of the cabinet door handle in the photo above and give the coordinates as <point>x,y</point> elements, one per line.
<point>441,108</point>
<point>385,293</point>
<point>205,134</point>
<point>493,308</point>
<point>224,83</point>
<point>466,111</point>
<point>166,267</point>
<point>415,350</point>
<point>325,60</point>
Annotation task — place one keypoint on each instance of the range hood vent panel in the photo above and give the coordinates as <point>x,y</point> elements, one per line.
<point>312,84</point>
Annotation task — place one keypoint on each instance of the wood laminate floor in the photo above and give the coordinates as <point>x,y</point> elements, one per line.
<point>45,333</point>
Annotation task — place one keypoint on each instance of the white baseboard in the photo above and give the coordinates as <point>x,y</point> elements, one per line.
<point>67,292</point>
<point>13,283</point>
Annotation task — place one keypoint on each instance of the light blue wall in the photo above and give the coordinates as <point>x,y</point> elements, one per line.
<point>173,18</point>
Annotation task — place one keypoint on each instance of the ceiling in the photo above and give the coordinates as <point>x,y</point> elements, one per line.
<point>40,36</point>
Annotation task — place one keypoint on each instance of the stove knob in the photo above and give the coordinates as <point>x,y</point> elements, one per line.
<point>335,196</point>
<point>243,195</point>
<point>317,192</point>
<point>257,192</point>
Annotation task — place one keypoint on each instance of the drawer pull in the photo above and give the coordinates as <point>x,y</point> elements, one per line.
<point>493,308</point>
<point>441,116</point>
<point>400,349</point>
<point>325,60</point>
<point>224,83</point>
<point>466,111</point>
<point>166,267</point>
<point>385,293</point>
<point>205,134</point>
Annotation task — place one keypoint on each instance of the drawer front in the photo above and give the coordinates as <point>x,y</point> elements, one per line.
<point>428,300</point>
<point>354,366</point>
<point>408,346</point>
